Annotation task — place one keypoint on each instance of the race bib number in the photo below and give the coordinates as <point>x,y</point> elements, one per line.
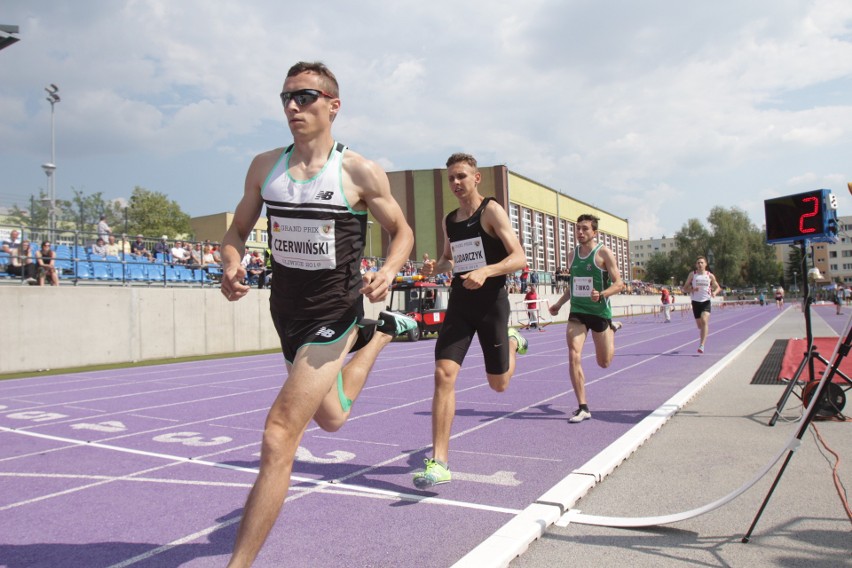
<point>468,255</point>
<point>307,244</point>
<point>582,287</point>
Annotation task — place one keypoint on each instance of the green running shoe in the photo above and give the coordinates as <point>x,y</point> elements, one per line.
<point>434,474</point>
<point>522,341</point>
<point>395,324</point>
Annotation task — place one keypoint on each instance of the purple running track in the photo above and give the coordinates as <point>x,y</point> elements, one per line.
<point>150,467</point>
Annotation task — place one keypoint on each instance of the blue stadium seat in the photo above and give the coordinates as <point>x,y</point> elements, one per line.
<point>83,270</point>
<point>101,271</point>
<point>155,272</point>
<point>137,272</point>
<point>116,267</point>
<point>184,274</point>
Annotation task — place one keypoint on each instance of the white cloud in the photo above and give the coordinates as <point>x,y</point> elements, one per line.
<point>705,104</point>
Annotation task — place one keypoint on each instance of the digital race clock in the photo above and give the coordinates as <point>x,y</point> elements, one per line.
<point>808,216</point>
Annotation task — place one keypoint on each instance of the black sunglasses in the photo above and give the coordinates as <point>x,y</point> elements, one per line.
<point>303,96</point>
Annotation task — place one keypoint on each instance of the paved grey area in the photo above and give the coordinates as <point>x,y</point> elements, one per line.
<point>717,443</point>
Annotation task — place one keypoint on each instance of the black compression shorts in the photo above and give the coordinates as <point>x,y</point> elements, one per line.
<point>295,334</point>
<point>699,308</point>
<point>595,323</point>
<point>485,314</point>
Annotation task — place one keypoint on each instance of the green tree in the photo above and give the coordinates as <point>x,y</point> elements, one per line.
<point>692,241</point>
<point>36,215</point>
<point>794,264</point>
<point>735,248</point>
<point>84,212</point>
<point>730,244</point>
<point>661,267</point>
<point>152,214</point>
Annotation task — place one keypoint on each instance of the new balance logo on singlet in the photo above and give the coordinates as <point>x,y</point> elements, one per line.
<point>325,332</point>
<point>324,196</point>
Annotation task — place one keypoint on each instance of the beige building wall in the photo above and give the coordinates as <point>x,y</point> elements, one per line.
<point>543,218</point>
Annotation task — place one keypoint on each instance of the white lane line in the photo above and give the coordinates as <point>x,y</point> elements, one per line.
<point>156,480</point>
<point>511,540</point>
<point>306,480</point>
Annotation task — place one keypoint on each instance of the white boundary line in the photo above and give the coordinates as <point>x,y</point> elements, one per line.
<point>513,538</point>
<point>307,480</point>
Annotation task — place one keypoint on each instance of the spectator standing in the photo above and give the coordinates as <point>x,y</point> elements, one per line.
<point>525,278</point>
<point>666,299</point>
<point>838,297</point>
<point>531,300</point>
<point>103,228</point>
<point>46,258</point>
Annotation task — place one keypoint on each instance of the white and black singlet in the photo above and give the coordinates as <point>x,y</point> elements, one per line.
<point>316,240</point>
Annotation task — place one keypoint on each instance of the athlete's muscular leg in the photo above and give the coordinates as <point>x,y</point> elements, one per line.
<point>500,383</point>
<point>576,337</point>
<point>604,347</point>
<point>703,324</point>
<point>311,376</point>
<point>443,407</point>
<point>330,416</point>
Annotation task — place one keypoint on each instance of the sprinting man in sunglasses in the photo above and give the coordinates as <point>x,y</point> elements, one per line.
<point>317,194</point>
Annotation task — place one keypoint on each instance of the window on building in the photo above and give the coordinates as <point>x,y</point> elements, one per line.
<point>528,235</point>
<point>539,241</point>
<point>550,244</point>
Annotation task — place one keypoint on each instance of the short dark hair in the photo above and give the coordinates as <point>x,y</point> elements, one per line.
<point>589,217</point>
<point>329,81</point>
<point>462,157</point>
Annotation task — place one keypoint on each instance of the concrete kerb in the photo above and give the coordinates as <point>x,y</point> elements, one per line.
<point>513,538</point>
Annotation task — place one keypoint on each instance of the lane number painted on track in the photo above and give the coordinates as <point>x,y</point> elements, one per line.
<point>337,456</point>
<point>36,415</point>
<point>194,439</point>
<point>108,426</point>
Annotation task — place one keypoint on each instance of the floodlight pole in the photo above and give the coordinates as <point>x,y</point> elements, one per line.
<point>50,168</point>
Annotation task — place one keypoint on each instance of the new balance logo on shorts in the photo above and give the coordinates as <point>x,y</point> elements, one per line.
<point>325,332</point>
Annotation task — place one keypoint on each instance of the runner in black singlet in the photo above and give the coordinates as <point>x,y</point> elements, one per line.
<point>317,195</point>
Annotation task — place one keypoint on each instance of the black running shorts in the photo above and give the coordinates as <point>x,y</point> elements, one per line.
<point>699,308</point>
<point>595,323</point>
<point>484,313</point>
<point>295,334</point>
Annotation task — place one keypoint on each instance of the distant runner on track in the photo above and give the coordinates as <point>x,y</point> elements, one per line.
<point>702,286</point>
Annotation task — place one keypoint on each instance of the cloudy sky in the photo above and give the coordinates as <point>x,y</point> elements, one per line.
<point>653,110</point>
